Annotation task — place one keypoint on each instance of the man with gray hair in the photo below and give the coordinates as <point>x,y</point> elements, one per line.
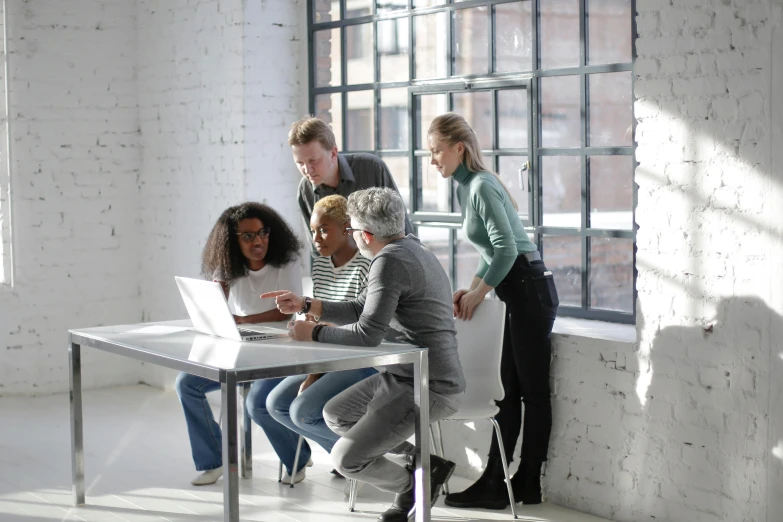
<point>407,298</point>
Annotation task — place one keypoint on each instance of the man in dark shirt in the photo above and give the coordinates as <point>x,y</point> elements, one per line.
<point>326,171</point>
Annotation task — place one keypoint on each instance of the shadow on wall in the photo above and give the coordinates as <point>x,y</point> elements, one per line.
<point>703,452</point>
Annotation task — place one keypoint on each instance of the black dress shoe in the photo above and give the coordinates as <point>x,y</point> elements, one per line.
<point>488,492</point>
<point>440,471</point>
<point>400,509</point>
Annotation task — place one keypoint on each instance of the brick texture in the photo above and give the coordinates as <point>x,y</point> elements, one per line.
<point>75,162</point>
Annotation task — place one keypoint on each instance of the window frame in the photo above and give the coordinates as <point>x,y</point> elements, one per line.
<point>472,83</point>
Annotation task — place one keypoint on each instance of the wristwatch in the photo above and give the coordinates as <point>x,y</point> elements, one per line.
<point>308,302</point>
<point>316,330</point>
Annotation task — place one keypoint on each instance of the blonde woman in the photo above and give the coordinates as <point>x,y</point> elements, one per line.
<point>339,274</point>
<point>511,265</point>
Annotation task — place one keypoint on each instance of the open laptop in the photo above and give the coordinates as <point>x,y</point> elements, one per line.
<point>210,314</point>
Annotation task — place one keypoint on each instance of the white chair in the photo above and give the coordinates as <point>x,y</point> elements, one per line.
<point>480,343</point>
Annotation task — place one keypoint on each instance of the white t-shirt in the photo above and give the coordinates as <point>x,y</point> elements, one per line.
<point>243,297</point>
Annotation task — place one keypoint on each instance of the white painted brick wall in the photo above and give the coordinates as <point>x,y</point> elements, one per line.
<point>219,84</point>
<point>134,126</point>
<point>75,162</point>
<point>5,214</point>
<point>677,427</point>
<point>191,102</point>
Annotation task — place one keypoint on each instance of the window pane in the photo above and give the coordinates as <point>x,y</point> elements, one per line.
<point>467,260</point>
<point>611,274</point>
<point>561,112</point>
<point>393,50</point>
<point>512,119</point>
<point>559,33</point>
<point>611,192</point>
<point>437,239</point>
<point>399,166</point>
<point>514,37</point>
<point>326,10</point>
<point>329,108</point>
<point>431,47</point>
<point>360,121</point>
<point>611,116</point>
<point>359,53</point>
<point>428,3</point>
<point>609,29</point>
<point>327,58</point>
<point>384,6</point>
<point>509,168</point>
<point>471,42</point>
<point>563,256</point>
<point>428,107</point>
<point>394,118</point>
<point>433,189</point>
<point>476,108</point>
<point>562,190</point>
<point>356,8</point>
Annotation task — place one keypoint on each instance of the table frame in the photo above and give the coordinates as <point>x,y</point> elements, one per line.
<point>238,449</point>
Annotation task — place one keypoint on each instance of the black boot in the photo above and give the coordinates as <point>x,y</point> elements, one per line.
<point>488,492</point>
<point>398,512</point>
<point>440,471</point>
<point>526,483</point>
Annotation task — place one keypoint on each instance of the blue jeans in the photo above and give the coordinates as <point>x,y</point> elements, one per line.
<point>304,413</point>
<point>204,431</point>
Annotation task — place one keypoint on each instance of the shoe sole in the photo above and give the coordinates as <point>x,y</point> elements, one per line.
<point>481,505</point>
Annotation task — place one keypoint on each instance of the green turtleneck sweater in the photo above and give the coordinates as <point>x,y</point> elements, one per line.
<point>491,223</point>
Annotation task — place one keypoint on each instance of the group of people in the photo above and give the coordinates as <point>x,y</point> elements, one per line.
<point>373,280</point>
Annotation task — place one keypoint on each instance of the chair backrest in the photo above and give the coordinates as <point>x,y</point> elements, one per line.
<point>480,344</point>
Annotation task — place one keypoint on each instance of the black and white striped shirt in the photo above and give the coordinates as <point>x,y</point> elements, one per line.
<point>343,283</point>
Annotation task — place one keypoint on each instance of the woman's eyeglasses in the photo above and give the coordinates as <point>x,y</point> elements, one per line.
<point>249,237</point>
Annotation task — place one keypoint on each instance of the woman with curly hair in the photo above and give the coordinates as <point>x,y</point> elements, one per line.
<point>251,250</point>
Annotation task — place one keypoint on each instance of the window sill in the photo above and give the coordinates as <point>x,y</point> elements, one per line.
<point>600,330</point>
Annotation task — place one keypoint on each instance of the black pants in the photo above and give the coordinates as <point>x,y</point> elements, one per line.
<point>531,306</point>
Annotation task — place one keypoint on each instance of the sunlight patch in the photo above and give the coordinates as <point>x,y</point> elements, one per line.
<point>474,459</point>
<point>777,451</point>
<point>644,380</point>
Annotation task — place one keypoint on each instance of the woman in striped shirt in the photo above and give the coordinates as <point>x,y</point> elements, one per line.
<point>339,274</point>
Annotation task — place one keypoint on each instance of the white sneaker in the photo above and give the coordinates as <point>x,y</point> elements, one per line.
<point>208,477</point>
<point>300,475</point>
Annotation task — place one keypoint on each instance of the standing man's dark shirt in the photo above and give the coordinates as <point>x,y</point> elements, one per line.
<point>357,172</point>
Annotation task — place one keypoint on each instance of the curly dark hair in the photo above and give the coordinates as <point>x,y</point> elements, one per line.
<point>222,256</point>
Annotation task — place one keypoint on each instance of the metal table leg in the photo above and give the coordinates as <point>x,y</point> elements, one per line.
<point>228,392</point>
<point>77,436</point>
<point>246,439</point>
<point>421,397</point>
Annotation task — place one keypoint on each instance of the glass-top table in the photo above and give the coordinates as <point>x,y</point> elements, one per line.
<point>173,344</point>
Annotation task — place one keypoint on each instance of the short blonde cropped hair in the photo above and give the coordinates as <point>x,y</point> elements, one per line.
<point>334,207</point>
<point>311,129</point>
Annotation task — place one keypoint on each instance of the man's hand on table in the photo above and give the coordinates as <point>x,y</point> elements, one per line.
<point>301,330</point>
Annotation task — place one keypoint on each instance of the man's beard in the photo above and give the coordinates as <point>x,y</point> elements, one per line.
<point>363,249</point>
